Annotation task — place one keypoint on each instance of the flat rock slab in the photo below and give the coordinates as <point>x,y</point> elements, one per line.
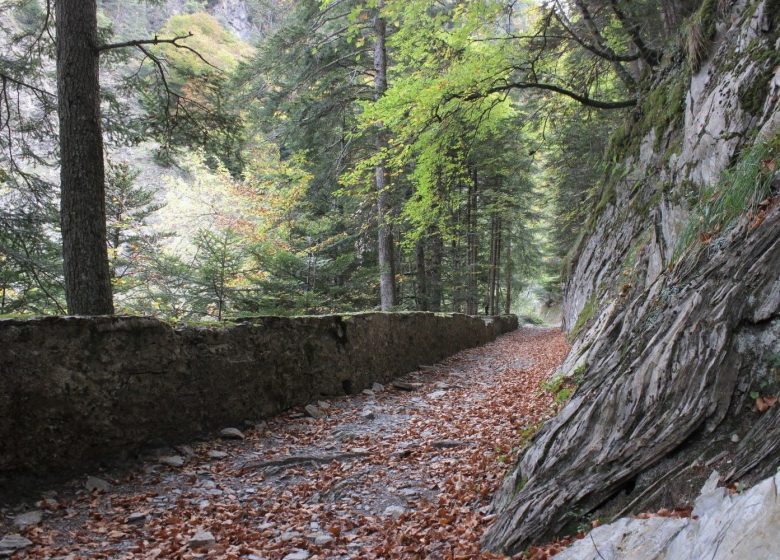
<point>729,527</point>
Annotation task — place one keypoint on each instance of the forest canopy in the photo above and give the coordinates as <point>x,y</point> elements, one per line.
<point>314,157</point>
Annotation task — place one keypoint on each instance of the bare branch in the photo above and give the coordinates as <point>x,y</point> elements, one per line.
<point>157,41</point>
<point>6,78</point>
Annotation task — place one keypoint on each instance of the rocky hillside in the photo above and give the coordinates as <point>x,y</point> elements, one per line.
<point>247,19</point>
<point>673,297</point>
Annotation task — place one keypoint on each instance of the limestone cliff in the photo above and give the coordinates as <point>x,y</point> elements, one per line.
<point>673,297</point>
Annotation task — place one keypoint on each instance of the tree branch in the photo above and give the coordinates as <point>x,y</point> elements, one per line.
<point>587,101</point>
<point>650,56</point>
<point>587,18</point>
<point>140,43</point>
<point>610,56</point>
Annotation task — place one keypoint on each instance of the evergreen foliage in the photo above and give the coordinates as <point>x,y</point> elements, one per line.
<point>263,199</point>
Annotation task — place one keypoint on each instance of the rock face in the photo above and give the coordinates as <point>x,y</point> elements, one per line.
<point>75,391</point>
<point>724,527</point>
<point>673,342</point>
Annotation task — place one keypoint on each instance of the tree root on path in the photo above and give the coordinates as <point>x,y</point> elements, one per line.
<point>293,460</point>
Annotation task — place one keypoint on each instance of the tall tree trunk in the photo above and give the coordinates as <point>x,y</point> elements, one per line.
<point>422,279</point>
<point>437,250</point>
<point>387,291</point>
<point>82,177</point>
<point>490,294</point>
<point>495,264</point>
<point>473,253</point>
<point>508,265</point>
<point>458,279</point>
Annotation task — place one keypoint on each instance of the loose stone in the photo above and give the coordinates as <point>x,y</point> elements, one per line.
<point>231,433</point>
<point>314,411</point>
<point>202,538</point>
<point>28,519</point>
<point>94,483</point>
<point>172,460</point>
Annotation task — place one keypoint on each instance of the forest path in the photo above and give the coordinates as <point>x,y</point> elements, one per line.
<point>397,474</point>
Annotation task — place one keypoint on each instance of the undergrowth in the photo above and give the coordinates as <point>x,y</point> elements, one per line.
<point>740,189</point>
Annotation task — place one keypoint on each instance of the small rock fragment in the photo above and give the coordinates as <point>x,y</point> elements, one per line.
<point>136,517</point>
<point>231,433</point>
<point>11,543</point>
<point>406,386</point>
<point>314,411</point>
<point>202,538</point>
<point>186,450</point>
<point>394,511</point>
<point>735,438</point>
<point>367,414</point>
<point>94,483</point>
<point>297,554</point>
<point>171,460</point>
<point>324,405</point>
<point>377,387</point>
<point>360,450</point>
<point>368,392</point>
<point>27,519</point>
<point>401,453</point>
<point>321,540</point>
<point>437,394</point>
<point>215,454</point>
<point>290,535</point>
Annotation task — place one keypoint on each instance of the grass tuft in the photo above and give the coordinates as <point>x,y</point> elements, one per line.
<point>741,189</point>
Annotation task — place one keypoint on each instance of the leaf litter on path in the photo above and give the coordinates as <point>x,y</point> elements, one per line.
<point>411,479</point>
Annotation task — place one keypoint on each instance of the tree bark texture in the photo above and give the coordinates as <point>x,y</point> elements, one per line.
<point>508,273</point>
<point>472,246</point>
<point>434,284</point>
<point>82,176</point>
<point>387,291</point>
<point>421,294</point>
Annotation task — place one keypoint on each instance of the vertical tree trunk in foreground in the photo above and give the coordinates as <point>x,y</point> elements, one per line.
<point>82,180</point>
<point>384,231</point>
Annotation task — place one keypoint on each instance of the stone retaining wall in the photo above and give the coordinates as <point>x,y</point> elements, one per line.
<point>77,391</point>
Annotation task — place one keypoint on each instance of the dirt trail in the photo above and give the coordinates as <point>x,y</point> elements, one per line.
<point>397,474</point>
